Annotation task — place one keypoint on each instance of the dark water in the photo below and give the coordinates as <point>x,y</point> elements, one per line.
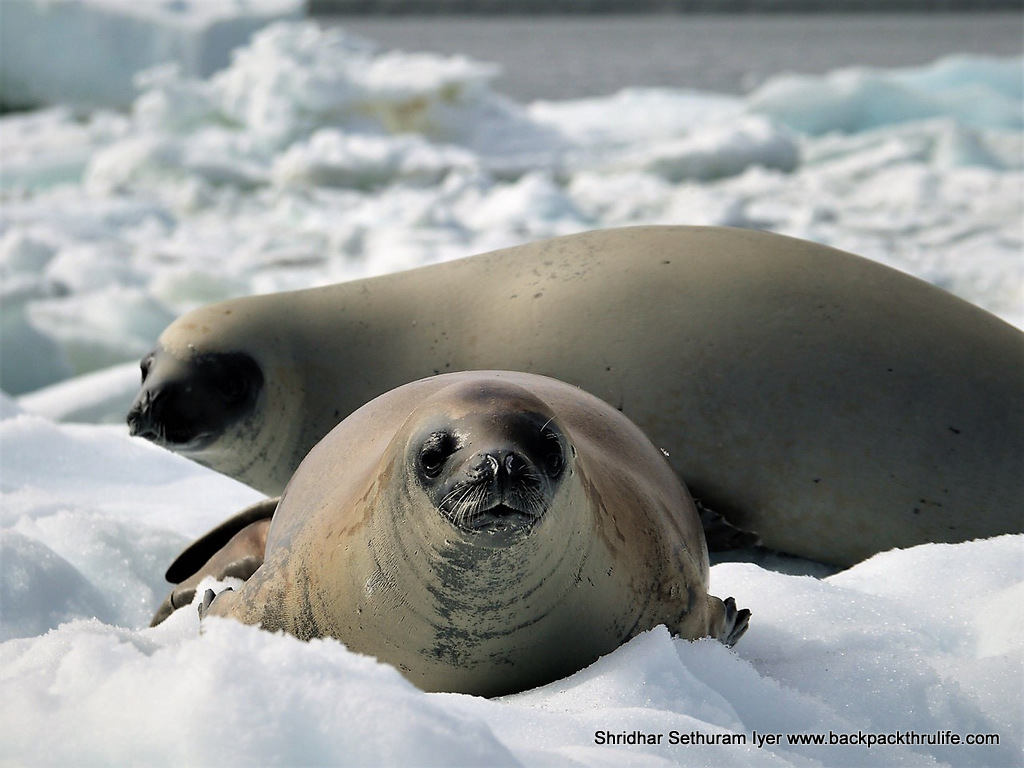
<point>558,57</point>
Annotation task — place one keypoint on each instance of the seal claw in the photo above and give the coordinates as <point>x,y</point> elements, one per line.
<point>208,597</point>
<point>735,623</point>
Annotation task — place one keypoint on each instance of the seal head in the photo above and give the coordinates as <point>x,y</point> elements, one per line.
<point>187,404</point>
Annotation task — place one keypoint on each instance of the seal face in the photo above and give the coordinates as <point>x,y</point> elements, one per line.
<point>485,532</point>
<point>495,474</point>
<point>187,405</point>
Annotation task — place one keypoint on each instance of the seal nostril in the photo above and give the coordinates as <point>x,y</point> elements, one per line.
<point>159,415</point>
<point>514,464</point>
<point>487,466</point>
<point>498,464</point>
<point>140,421</point>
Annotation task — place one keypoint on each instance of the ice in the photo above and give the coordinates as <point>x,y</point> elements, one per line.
<point>718,151</point>
<point>636,115</point>
<point>332,158</point>
<point>978,92</point>
<point>315,156</point>
<point>86,52</point>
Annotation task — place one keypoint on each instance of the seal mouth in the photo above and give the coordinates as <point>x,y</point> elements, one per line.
<point>184,439</point>
<point>500,518</point>
<point>475,509</point>
<point>181,443</point>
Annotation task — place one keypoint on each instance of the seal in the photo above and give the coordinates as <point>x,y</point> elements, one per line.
<point>234,549</point>
<point>831,405</point>
<point>485,533</point>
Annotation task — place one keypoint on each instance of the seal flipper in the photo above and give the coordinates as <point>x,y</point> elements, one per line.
<point>720,534</point>
<point>734,622</point>
<point>238,558</point>
<point>199,552</point>
<point>183,594</point>
<point>208,597</point>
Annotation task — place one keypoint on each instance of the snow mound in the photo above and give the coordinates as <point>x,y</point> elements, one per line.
<point>922,643</point>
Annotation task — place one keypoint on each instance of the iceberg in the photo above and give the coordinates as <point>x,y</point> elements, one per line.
<point>86,52</point>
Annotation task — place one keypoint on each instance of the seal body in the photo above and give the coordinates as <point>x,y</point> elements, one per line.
<point>831,405</point>
<point>485,532</point>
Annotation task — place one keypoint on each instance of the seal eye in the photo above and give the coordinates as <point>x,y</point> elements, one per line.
<point>435,452</point>
<point>432,461</point>
<point>145,365</point>
<point>554,458</point>
<point>554,463</point>
<point>233,388</point>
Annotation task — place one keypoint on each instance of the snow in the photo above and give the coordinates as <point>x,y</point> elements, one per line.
<point>979,93</point>
<point>922,640</point>
<point>316,156</point>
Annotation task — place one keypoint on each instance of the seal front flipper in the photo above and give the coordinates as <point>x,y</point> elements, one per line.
<point>208,597</point>
<point>720,534</point>
<point>240,568</point>
<point>732,622</point>
<point>238,558</point>
<point>179,597</point>
<point>199,552</point>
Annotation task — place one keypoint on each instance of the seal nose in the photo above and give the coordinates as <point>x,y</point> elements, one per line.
<point>162,414</point>
<point>497,464</point>
<point>140,417</point>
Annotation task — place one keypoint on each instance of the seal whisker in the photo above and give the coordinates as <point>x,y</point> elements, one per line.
<point>456,498</point>
<point>533,498</point>
<point>463,501</point>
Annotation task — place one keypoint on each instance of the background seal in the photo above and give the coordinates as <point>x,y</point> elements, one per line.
<point>830,404</point>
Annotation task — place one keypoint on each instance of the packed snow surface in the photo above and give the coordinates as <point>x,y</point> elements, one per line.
<point>316,157</point>
<point>923,642</point>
